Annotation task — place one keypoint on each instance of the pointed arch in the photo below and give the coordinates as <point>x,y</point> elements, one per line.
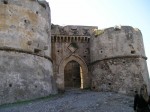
<point>85,79</point>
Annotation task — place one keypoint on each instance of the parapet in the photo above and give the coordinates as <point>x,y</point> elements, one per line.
<point>72,30</point>
<point>71,33</point>
<point>116,42</point>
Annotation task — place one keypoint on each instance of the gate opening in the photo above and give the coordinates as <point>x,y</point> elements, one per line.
<point>73,75</point>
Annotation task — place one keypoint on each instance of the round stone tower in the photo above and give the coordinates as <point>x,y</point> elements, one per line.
<point>118,61</point>
<point>25,51</point>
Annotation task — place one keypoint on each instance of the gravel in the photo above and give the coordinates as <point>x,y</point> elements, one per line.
<point>76,101</point>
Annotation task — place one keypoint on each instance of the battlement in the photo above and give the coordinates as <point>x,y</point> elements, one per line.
<point>116,29</point>
<point>71,33</point>
<point>72,30</point>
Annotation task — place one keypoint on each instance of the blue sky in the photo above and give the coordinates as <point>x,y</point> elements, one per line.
<point>104,14</point>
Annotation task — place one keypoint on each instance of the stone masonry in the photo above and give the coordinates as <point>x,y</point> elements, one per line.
<point>111,59</point>
<point>118,60</point>
<point>25,51</point>
<point>38,58</point>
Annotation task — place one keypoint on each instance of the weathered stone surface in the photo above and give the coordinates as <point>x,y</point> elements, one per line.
<point>71,43</point>
<point>71,30</point>
<point>118,60</point>
<point>112,43</point>
<point>115,57</point>
<point>23,25</point>
<point>112,59</point>
<point>123,75</point>
<point>24,76</point>
<point>25,51</point>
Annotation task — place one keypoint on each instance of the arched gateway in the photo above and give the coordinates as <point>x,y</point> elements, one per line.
<point>84,76</point>
<point>72,75</point>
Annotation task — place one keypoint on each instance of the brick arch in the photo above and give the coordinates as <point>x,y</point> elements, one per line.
<point>85,79</point>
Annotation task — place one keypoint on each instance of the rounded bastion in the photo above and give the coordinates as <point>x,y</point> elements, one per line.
<point>118,61</point>
<point>25,51</point>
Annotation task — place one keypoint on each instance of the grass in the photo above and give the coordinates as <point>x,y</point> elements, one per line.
<point>19,103</point>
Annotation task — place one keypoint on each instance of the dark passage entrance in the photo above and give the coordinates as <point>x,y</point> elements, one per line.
<point>72,75</point>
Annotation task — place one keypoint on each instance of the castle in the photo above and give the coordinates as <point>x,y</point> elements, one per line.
<point>38,58</point>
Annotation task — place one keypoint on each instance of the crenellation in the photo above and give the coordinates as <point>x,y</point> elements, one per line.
<point>72,30</point>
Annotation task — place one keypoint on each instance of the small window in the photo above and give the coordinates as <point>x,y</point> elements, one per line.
<point>10,85</point>
<point>132,51</point>
<point>37,51</point>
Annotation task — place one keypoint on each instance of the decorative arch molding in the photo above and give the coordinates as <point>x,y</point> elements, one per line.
<point>85,79</point>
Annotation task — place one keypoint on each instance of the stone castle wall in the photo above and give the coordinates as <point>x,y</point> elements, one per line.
<point>115,57</point>
<point>25,51</point>
<point>118,61</point>
<point>34,54</point>
<point>71,43</point>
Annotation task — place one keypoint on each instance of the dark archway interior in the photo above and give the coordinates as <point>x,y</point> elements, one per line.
<point>72,75</point>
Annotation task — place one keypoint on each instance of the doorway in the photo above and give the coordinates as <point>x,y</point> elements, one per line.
<point>72,75</point>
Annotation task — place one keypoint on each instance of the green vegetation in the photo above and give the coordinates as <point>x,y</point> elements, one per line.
<point>18,103</point>
<point>98,32</point>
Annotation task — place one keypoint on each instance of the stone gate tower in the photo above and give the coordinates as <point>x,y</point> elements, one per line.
<point>25,50</point>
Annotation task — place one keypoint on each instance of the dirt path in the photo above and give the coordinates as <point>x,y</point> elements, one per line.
<point>76,101</point>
